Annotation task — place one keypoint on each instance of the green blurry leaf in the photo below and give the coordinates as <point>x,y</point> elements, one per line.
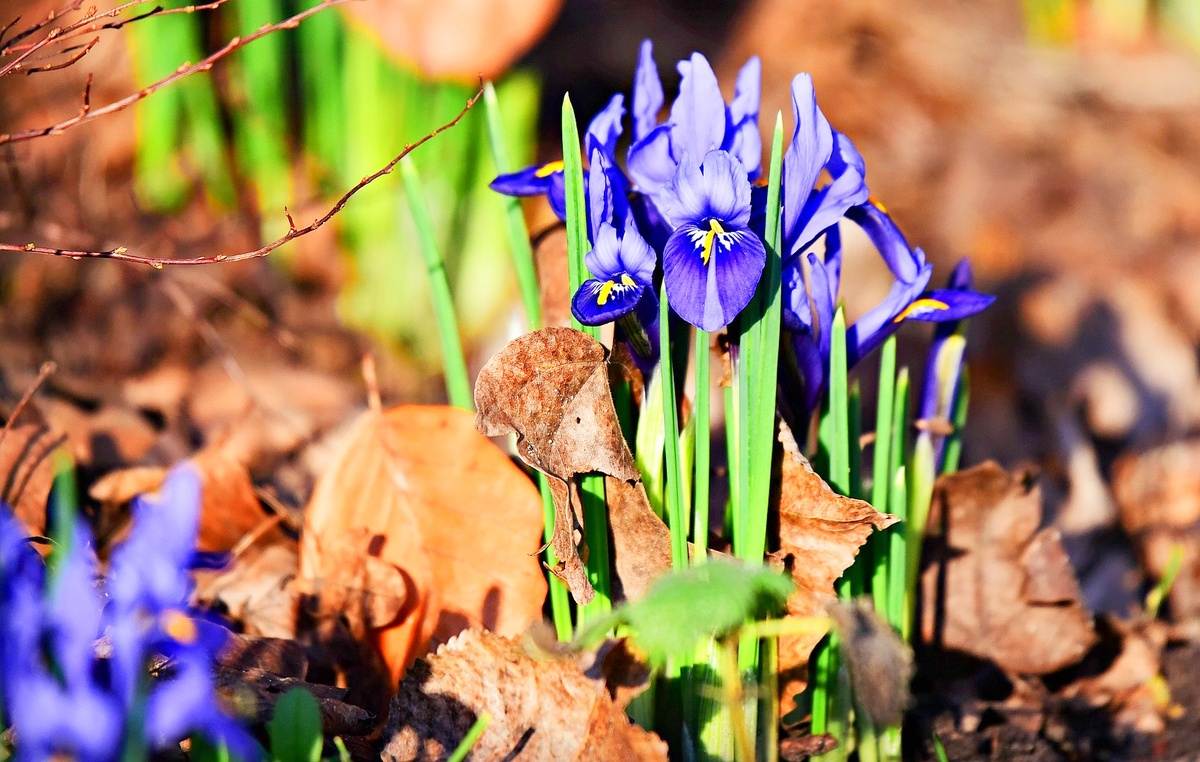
<point>295,728</point>
<point>700,602</point>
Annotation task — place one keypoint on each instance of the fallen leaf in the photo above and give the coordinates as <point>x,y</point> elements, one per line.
<point>229,508</point>
<point>983,590</point>
<point>252,694</point>
<point>542,709</point>
<point>459,39</point>
<point>1158,498</point>
<point>346,581</point>
<point>1120,671</point>
<point>881,665</point>
<point>550,388</point>
<point>279,656</point>
<point>436,500</point>
<point>256,591</point>
<point>27,473</point>
<point>641,542</point>
<point>821,532</point>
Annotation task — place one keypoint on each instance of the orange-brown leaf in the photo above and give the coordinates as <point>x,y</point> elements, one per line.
<point>446,507</point>
<point>821,531</point>
<point>463,39</point>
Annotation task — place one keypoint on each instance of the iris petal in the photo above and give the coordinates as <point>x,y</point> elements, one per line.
<point>874,327</point>
<point>698,114</point>
<point>649,160</point>
<point>604,260</point>
<point>718,189</point>
<point>947,305</point>
<point>605,127</point>
<point>745,142</point>
<point>905,262</point>
<point>710,296</point>
<point>525,182</point>
<point>830,204</point>
<point>647,93</point>
<point>602,301</point>
<point>806,156</point>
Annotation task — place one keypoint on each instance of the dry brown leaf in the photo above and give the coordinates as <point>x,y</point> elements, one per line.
<point>554,283</point>
<point>995,587</point>
<point>550,388</point>
<point>457,39</point>
<point>1119,673</point>
<point>229,508</point>
<point>27,473</point>
<point>1158,495</point>
<point>347,581</point>
<point>821,531</point>
<point>881,664</point>
<point>446,507</point>
<point>542,709</point>
<point>641,542</point>
<point>256,591</point>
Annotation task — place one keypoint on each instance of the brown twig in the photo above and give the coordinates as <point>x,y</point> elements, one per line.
<point>121,253</point>
<point>80,52</point>
<point>183,71</point>
<point>44,372</point>
<point>87,25</point>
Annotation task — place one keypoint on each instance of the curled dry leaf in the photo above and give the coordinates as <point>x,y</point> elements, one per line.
<point>641,542</point>
<point>550,388</point>
<point>1158,496</point>
<point>821,531</point>
<point>1121,672</point>
<point>27,472</point>
<point>347,581</point>
<point>427,494</point>
<point>542,709</point>
<point>881,664</point>
<point>256,590</point>
<point>458,39</point>
<point>995,586</point>
<point>229,507</point>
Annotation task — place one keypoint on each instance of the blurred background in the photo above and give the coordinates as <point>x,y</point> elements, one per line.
<point>1054,142</point>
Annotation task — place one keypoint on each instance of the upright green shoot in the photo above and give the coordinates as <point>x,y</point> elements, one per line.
<point>591,488</point>
<point>458,381</point>
<point>703,446</point>
<point>514,219</point>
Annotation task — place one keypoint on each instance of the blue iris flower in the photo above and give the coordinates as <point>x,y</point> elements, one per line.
<point>699,121</point>
<point>908,298</point>
<point>59,697</point>
<point>547,179</point>
<point>713,260</point>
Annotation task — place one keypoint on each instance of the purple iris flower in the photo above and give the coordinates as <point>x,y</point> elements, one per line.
<point>59,697</point>
<point>699,122</point>
<point>943,369</point>
<point>602,134</point>
<point>908,298</point>
<point>622,268</point>
<point>713,260</point>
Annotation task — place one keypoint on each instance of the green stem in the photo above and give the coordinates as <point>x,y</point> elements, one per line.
<point>514,219</point>
<point>703,447</point>
<point>458,381</point>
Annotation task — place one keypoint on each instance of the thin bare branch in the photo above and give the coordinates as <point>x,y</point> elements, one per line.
<point>183,71</point>
<point>121,253</point>
<point>79,53</point>
<point>89,24</point>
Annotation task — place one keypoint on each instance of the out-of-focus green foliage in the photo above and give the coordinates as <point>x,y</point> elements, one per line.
<point>308,113</point>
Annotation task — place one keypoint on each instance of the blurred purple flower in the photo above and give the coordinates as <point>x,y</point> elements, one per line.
<point>59,697</point>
